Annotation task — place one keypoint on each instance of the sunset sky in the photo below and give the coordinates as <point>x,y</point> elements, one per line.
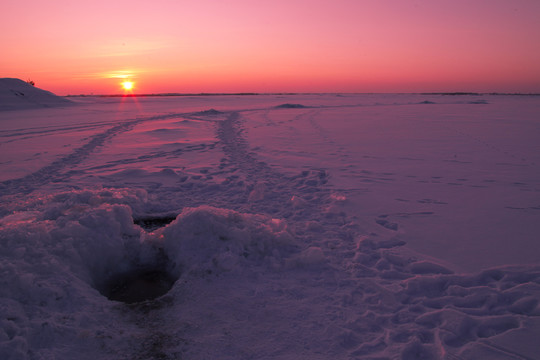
<point>84,47</point>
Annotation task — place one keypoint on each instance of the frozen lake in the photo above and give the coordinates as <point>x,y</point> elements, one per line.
<point>288,226</point>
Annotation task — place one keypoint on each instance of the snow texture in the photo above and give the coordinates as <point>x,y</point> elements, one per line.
<point>286,227</point>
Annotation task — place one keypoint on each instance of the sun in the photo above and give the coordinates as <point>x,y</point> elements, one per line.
<point>127,85</point>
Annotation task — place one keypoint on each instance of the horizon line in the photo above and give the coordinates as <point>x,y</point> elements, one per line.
<point>451,93</point>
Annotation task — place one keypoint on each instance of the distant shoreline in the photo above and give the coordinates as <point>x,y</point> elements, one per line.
<point>266,94</point>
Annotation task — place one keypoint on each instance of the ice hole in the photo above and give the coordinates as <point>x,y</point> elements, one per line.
<point>153,223</point>
<point>138,285</point>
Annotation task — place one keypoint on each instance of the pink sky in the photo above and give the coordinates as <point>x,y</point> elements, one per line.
<point>74,47</point>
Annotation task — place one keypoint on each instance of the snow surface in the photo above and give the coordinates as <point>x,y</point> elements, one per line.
<point>295,226</point>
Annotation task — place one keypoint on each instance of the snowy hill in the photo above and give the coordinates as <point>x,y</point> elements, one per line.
<point>16,94</point>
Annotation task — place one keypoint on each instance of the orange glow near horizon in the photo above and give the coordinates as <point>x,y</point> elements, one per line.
<point>279,46</point>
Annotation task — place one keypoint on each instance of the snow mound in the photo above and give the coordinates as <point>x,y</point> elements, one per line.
<point>52,268</point>
<point>16,94</point>
<point>81,253</point>
<point>291,106</point>
<point>209,240</point>
<point>209,112</point>
<point>95,235</point>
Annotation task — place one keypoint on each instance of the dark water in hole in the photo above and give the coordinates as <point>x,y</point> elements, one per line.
<point>153,223</point>
<point>137,286</point>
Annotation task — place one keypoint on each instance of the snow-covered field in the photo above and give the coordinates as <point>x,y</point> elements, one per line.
<point>289,227</point>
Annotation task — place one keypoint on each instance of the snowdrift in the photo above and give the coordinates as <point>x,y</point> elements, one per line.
<point>16,94</point>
